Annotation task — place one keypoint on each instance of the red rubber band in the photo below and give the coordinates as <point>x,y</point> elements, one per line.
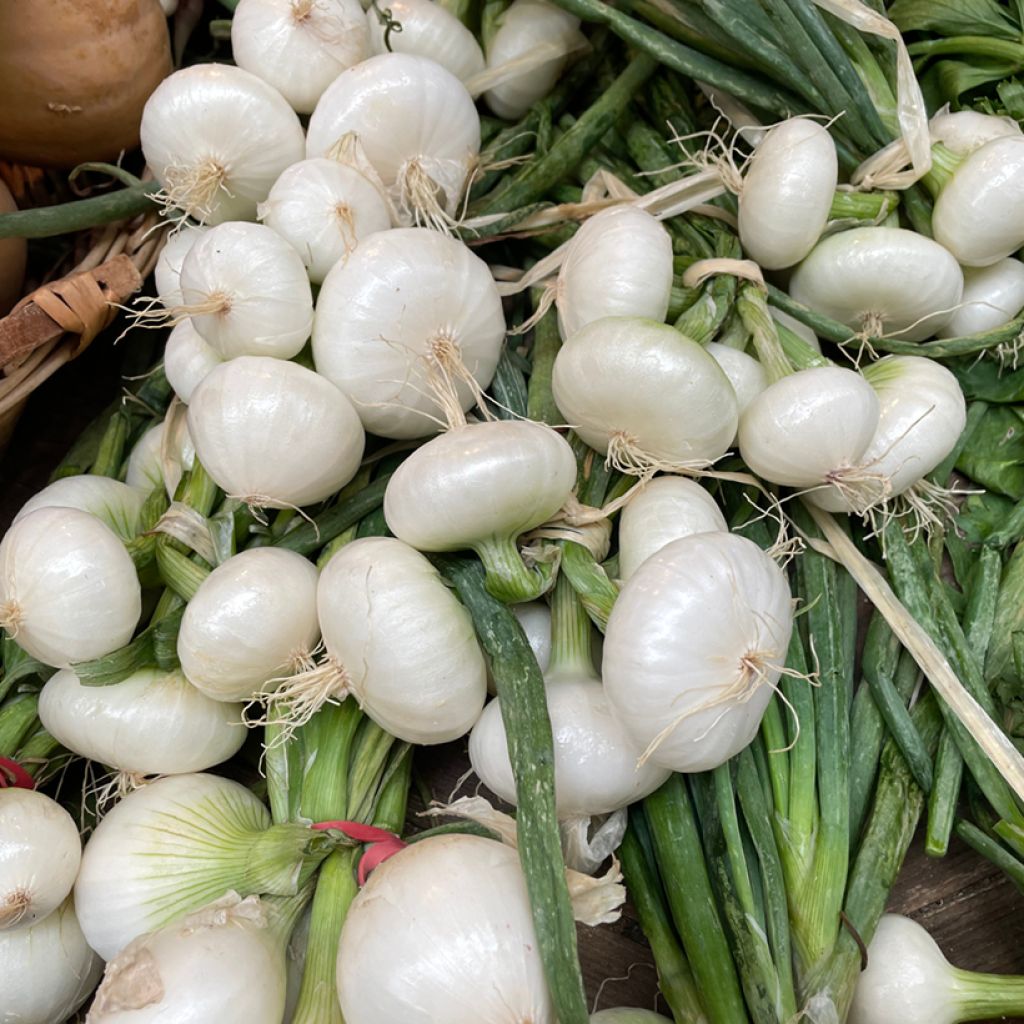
<point>381,843</point>
<point>13,775</point>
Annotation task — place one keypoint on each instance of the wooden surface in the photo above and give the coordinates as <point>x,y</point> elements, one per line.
<point>976,916</point>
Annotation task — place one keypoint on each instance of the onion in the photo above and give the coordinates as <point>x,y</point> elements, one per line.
<point>535,618</point>
<point>408,308</point>
<point>524,28</point>
<point>248,293</point>
<point>416,124</point>
<point>695,645</point>
<point>167,272</point>
<point>13,253</point>
<point>746,375</point>
<point>801,330</point>
<point>187,359</point>
<point>252,618</point>
<point>75,77</point>
<point>993,296</point>
<point>39,856</point>
<point>644,395</point>
<point>46,971</point>
<point>963,131</point>
<point>666,509</point>
<point>452,910</point>
<point>618,264</point>
<point>881,280</point>
<point>160,457</point>
<point>152,723</point>
<point>68,589</point>
<point>400,641</point>
<point>174,845</point>
<point>274,433</point>
<point>787,193</point>
<point>298,46</point>
<point>323,209</point>
<point>223,963</point>
<point>110,501</point>
<point>427,30</point>
<point>217,137</point>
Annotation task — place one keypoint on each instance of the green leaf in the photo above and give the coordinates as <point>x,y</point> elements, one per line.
<point>947,80</point>
<point>1011,93</point>
<point>995,456</point>
<point>982,515</point>
<point>988,380</point>
<point>954,18</point>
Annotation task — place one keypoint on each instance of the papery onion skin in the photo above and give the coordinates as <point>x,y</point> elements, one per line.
<point>152,723</point>
<point>787,193</point>
<point>46,971</point>
<point>68,587</point>
<point>908,281</point>
<point>40,852</point>
<point>993,296</point>
<point>274,433</point>
<point>808,425</point>
<point>405,301</point>
<point>451,910</point>
<point>252,618</point>
<point>706,619</point>
<point>405,643</point>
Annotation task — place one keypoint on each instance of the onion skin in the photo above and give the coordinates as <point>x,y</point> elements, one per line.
<point>13,252</point>
<point>76,75</point>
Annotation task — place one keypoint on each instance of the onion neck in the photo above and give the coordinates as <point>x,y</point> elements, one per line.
<point>283,913</point>
<point>944,163</point>
<point>752,305</point>
<point>278,861</point>
<point>872,207</point>
<point>981,996</point>
<point>570,634</point>
<point>508,577</point>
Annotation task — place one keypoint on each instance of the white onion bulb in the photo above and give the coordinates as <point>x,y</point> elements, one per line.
<point>298,46</point>
<point>160,457</point>
<point>408,305</point>
<point>401,641</point>
<point>417,126</point>
<point>46,971</point>
<point>881,279</point>
<point>217,137</point>
<point>188,358</point>
<point>68,588</point>
<point>168,265</point>
<point>152,723</point>
<point>618,264</point>
<point>253,618</point>
<point>274,433</point>
<point>666,509</point>
<point>963,131</point>
<point>640,390</point>
<point>746,374</point>
<point>695,645</point>
<point>428,30</point>
<point>452,910</point>
<point>323,209</point>
<point>39,856</point>
<point>993,296</point>
<point>110,501</point>
<point>248,292</point>
<point>535,618</point>
<point>787,193</point>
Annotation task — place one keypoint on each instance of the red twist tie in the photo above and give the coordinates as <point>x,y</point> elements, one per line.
<point>381,843</point>
<point>13,775</point>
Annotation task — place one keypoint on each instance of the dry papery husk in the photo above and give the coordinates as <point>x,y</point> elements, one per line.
<point>75,76</point>
<point>39,338</point>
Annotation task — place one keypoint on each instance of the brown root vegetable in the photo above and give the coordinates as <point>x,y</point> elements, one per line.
<point>12,258</point>
<point>75,75</point>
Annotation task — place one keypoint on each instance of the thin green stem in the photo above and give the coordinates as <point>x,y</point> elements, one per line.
<point>508,578</point>
<point>570,633</point>
<point>67,218</point>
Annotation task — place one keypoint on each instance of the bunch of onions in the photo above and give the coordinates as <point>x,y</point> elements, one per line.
<point>68,588</point>
<point>152,723</point>
<point>410,321</point>
<point>324,209</point>
<point>176,844</point>
<point>274,433</point>
<point>251,620</point>
<point>217,137</point>
<point>695,645</point>
<point>41,854</point>
<point>298,46</point>
<point>481,486</point>
<point>224,962</point>
<point>110,501</point>
<point>416,125</point>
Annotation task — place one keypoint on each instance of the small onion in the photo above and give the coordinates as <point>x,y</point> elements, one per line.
<point>993,296</point>
<point>110,501</point>
<point>39,856</point>
<point>619,264</point>
<point>167,272</point>
<point>298,46</point>
<point>68,588</point>
<point>452,910</point>
<point>274,433</point>
<point>160,457</point>
<point>217,137</point>
<point>408,305</point>
<point>248,292</point>
<point>746,375</point>
<point>152,723</point>
<point>963,131</point>
<point>252,618</point>
<point>187,359</point>
<point>323,209</point>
